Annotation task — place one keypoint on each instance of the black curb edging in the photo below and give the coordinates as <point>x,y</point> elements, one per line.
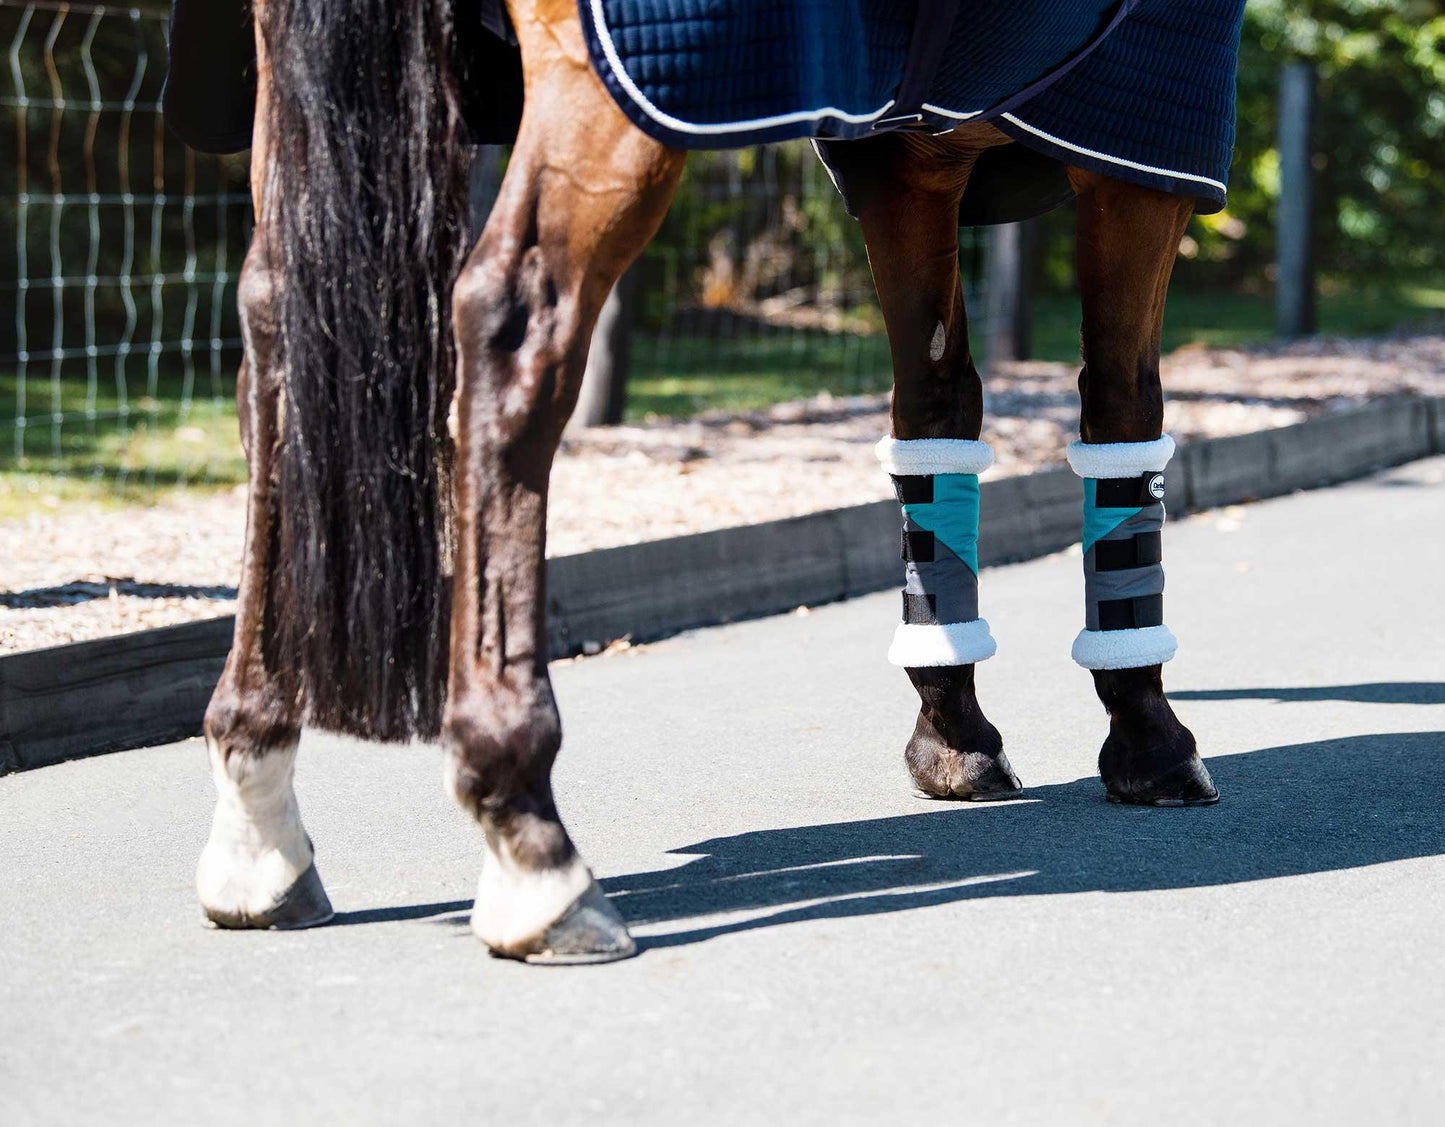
<point>152,686</point>
<point>87,698</point>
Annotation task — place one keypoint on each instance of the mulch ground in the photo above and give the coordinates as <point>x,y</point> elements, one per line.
<point>85,573</point>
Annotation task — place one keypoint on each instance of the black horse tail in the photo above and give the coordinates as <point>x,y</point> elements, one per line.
<point>367,223</point>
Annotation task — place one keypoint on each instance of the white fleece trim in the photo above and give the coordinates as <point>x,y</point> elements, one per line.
<point>947,643</point>
<point>1120,459</point>
<point>933,455</point>
<point>1124,649</point>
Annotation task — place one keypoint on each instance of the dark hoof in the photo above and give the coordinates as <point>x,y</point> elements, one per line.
<point>590,931</point>
<point>969,775</point>
<point>304,904</point>
<point>954,751</point>
<point>1149,757</point>
<point>1188,784</point>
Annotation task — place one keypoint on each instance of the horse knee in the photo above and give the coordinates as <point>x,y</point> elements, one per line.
<point>489,311</point>
<point>520,342</point>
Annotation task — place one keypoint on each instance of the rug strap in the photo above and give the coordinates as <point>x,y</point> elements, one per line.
<point>936,481</point>
<point>932,25</point>
<point>1123,569</point>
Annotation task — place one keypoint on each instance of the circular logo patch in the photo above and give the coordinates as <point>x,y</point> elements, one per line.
<point>1156,487</point>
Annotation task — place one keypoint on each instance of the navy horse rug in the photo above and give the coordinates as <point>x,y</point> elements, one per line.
<point>1138,89</point>
<point>1142,90</point>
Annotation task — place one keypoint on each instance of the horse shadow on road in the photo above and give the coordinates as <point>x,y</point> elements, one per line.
<point>1286,811</point>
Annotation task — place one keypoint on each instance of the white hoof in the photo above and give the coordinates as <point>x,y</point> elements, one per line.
<point>557,916</point>
<point>257,869</point>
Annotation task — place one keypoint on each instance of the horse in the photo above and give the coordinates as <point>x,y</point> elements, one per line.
<point>402,395</point>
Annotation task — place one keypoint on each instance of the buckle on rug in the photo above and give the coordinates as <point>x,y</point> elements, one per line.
<point>898,121</point>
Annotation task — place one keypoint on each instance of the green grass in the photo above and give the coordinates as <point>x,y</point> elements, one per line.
<point>677,377</point>
<point>684,376</point>
<point>1229,320</point>
<point>113,461</point>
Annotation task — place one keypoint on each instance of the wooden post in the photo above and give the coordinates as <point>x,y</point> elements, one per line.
<point>1008,279</point>
<point>1294,222</point>
<point>604,383</point>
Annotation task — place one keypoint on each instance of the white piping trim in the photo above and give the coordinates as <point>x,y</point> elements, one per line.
<point>609,49</point>
<point>1120,459</point>
<point>1049,137</point>
<point>933,455</point>
<point>614,60</point>
<point>918,644</point>
<point>955,114</point>
<point>1124,649</point>
<point>828,168</point>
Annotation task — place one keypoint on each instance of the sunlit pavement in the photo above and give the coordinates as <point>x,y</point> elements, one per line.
<point>819,945</point>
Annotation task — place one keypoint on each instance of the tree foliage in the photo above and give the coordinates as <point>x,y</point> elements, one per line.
<point>1379,137</point>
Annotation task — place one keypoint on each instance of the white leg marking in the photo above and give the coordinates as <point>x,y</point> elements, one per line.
<point>450,777</point>
<point>515,904</point>
<point>936,345</point>
<point>258,847</point>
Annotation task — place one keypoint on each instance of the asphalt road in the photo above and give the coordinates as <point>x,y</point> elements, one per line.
<point>818,945</point>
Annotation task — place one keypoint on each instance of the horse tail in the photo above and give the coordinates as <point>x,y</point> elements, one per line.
<point>367,221</point>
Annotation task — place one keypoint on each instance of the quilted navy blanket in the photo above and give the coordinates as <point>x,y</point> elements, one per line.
<point>1139,89</point>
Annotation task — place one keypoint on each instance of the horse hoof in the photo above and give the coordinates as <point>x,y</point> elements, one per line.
<point>258,869</point>
<point>1188,784</point>
<point>590,931</point>
<point>304,904</point>
<point>972,776</point>
<point>551,916</point>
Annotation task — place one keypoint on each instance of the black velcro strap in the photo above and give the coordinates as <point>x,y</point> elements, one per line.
<point>1137,551</point>
<point>921,609</point>
<point>931,26</point>
<point>918,546</point>
<point>1131,614</point>
<point>1126,492</point>
<point>1149,610</point>
<point>913,489</point>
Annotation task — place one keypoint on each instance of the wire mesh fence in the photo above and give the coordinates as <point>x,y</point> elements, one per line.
<point>117,366</point>
<point>120,249</point>
<point>758,289</point>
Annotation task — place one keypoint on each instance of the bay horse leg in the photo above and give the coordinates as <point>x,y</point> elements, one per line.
<point>257,869</point>
<point>1127,238</point>
<point>906,189</point>
<point>583,193</point>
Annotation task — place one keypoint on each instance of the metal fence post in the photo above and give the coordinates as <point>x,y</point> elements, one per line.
<point>483,184</point>
<point>1008,279</point>
<point>1294,224</point>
